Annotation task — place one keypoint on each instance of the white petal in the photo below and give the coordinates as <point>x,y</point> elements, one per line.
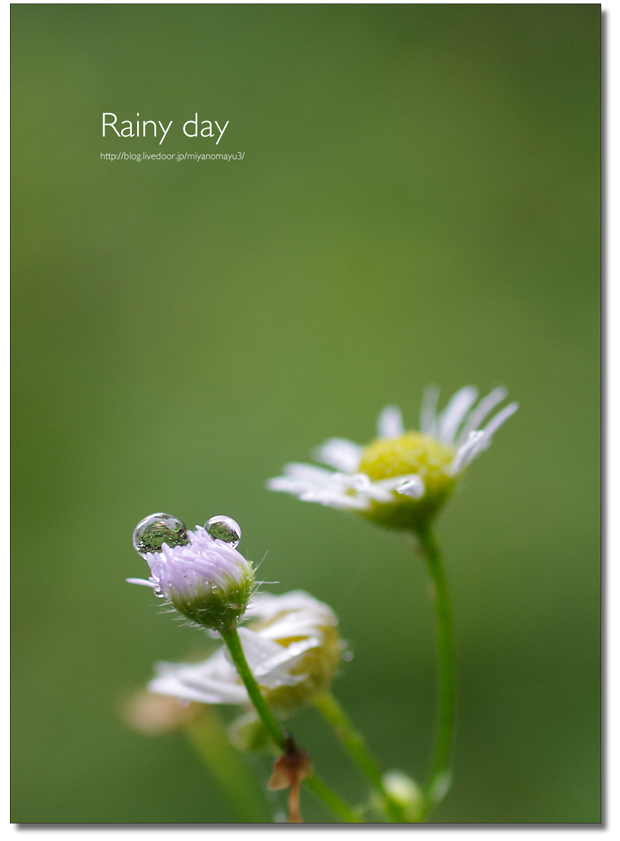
<point>297,624</point>
<point>267,604</point>
<point>339,453</point>
<point>500,418</point>
<point>487,433</point>
<point>214,681</point>
<point>286,485</point>
<point>394,482</point>
<point>364,488</point>
<point>477,415</point>
<point>379,492</point>
<point>334,499</point>
<point>413,487</point>
<point>356,482</point>
<point>299,614</point>
<point>281,675</point>
<point>452,416</point>
<point>465,452</point>
<point>269,661</point>
<point>140,581</point>
<point>390,423</point>
<point>315,484</point>
<point>482,444</point>
<point>309,472</point>
<point>429,409</point>
<point>309,479</point>
<point>208,692</point>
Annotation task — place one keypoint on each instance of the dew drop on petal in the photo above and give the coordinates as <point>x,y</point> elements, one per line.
<point>158,593</point>
<point>152,532</point>
<point>224,528</point>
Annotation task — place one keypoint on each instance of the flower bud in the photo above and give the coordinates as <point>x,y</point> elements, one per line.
<point>247,732</point>
<point>405,792</point>
<point>205,579</point>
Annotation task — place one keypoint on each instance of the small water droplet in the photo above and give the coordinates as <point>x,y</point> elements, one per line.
<point>224,528</point>
<point>158,593</point>
<point>153,531</point>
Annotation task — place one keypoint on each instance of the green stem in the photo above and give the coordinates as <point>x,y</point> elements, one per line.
<point>312,782</point>
<point>233,643</point>
<point>321,790</point>
<point>356,746</point>
<point>439,775</point>
<point>208,735</point>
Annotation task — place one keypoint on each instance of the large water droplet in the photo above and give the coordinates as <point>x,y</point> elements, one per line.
<point>153,531</point>
<point>224,528</point>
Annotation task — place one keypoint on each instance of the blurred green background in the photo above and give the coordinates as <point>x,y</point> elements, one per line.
<point>418,202</point>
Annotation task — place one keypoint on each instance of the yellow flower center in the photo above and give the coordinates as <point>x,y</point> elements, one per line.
<point>413,453</point>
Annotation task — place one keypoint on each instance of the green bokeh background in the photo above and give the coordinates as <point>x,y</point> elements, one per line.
<point>418,202</point>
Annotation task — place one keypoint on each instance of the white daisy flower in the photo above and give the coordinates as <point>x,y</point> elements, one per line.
<point>402,478</point>
<point>204,578</point>
<point>292,648</point>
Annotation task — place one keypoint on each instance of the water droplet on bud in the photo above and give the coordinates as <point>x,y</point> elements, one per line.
<point>224,528</point>
<point>153,531</point>
<point>158,593</point>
